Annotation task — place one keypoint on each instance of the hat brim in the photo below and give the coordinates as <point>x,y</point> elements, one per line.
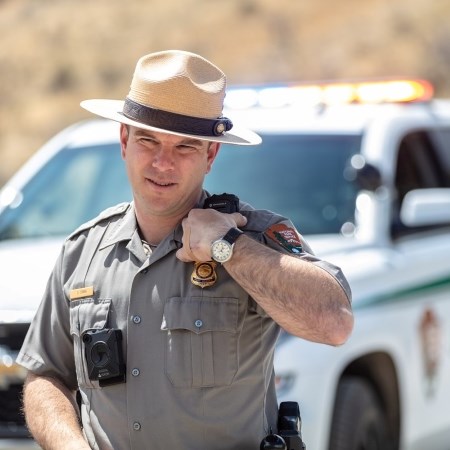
<point>112,109</point>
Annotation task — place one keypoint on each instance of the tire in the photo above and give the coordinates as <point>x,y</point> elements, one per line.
<point>358,419</point>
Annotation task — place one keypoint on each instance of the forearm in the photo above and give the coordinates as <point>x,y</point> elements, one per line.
<point>51,414</point>
<point>300,296</point>
<point>303,298</point>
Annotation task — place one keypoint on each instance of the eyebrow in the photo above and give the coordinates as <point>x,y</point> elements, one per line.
<point>185,141</point>
<point>192,141</point>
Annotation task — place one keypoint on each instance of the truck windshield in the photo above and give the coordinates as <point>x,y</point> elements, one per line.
<point>299,176</point>
<point>73,187</point>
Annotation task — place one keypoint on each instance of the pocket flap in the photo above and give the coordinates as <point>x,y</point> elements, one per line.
<point>201,314</point>
<point>88,314</point>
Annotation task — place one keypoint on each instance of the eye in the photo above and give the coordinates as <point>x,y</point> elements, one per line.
<point>186,148</point>
<point>147,140</point>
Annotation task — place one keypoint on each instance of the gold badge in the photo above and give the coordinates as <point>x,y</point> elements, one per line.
<point>204,274</point>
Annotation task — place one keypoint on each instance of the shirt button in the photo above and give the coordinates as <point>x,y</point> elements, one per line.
<point>135,372</point>
<point>136,319</point>
<point>136,426</point>
<point>198,323</point>
<point>145,271</point>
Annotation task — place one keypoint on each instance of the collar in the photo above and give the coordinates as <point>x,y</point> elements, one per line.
<point>121,230</point>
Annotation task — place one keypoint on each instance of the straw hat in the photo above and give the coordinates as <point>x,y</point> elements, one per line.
<point>176,92</point>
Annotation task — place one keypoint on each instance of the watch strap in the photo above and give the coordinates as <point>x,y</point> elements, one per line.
<point>232,235</point>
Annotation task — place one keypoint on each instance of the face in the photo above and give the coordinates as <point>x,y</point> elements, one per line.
<point>166,172</point>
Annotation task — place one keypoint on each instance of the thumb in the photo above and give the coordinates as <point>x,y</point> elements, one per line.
<point>180,254</point>
<point>239,219</point>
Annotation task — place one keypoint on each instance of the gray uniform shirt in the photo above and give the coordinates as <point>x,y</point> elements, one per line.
<point>199,361</point>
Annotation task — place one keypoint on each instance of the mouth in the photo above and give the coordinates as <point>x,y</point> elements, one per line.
<point>160,184</point>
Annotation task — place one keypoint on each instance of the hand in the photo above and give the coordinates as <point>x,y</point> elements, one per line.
<point>201,228</point>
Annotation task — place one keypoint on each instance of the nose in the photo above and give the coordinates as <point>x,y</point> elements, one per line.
<point>163,159</point>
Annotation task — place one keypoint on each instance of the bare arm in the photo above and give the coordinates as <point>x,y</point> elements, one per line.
<point>51,414</point>
<point>301,297</point>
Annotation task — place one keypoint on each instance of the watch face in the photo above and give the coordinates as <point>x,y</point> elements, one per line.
<point>221,251</point>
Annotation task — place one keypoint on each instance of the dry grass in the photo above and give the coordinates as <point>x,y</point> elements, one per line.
<point>53,54</point>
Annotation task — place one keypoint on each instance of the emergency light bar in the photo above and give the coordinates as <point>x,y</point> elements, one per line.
<point>385,91</point>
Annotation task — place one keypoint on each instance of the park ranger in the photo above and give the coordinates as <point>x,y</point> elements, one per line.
<point>161,316</point>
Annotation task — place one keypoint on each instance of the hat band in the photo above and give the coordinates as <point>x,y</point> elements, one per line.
<point>177,123</point>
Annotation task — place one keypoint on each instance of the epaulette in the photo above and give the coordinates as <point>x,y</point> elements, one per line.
<point>258,220</point>
<point>105,214</point>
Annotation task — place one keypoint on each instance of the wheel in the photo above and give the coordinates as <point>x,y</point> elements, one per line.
<point>358,419</point>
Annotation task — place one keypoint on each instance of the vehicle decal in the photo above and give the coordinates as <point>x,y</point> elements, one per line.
<point>430,334</point>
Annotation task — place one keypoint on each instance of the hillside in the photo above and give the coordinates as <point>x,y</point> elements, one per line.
<point>56,53</point>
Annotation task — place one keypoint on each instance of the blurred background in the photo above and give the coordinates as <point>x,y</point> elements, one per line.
<point>53,54</point>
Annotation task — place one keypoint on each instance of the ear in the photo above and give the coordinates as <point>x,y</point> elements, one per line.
<point>213,150</point>
<point>124,135</point>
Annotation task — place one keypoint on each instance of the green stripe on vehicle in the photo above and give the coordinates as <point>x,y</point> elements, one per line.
<point>411,293</point>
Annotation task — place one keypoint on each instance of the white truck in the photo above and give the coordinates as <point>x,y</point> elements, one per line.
<point>363,170</point>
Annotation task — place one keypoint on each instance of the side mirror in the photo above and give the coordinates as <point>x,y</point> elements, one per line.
<point>422,207</point>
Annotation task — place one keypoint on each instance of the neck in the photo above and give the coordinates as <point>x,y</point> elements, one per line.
<point>155,229</point>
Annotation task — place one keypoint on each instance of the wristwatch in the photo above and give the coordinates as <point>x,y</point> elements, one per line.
<point>222,249</point>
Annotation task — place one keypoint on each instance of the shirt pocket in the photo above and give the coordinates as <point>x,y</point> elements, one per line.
<point>86,314</point>
<point>201,345</point>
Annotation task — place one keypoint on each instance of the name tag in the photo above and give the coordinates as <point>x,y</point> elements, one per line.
<point>87,291</point>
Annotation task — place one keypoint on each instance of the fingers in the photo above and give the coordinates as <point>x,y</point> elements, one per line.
<point>201,228</point>
<point>185,253</point>
<point>239,219</point>
<point>180,254</point>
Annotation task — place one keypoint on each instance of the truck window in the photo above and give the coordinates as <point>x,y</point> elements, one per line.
<point>300,176</point>
<point>419,166</point>
<point>441,138</point>
<point>73,187</point>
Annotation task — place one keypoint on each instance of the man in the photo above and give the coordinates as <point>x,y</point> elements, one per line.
<point>163,314</point>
